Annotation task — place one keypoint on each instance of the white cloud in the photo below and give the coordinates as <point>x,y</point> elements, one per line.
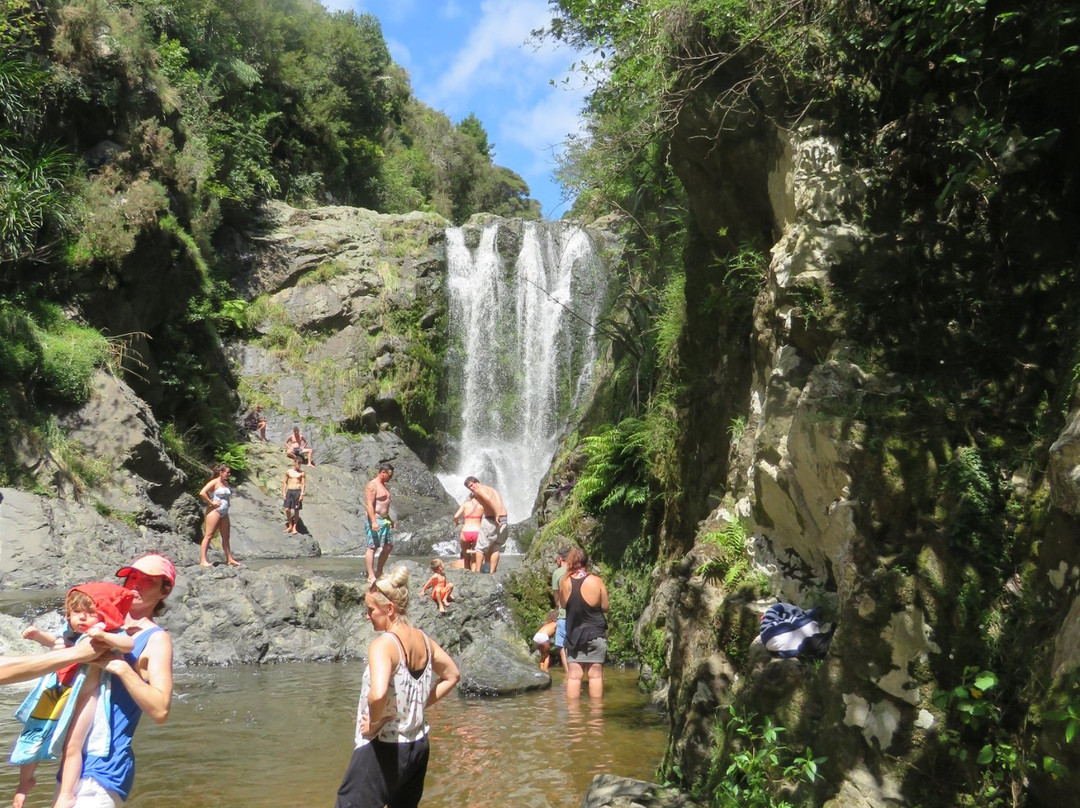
<point>495,52</point>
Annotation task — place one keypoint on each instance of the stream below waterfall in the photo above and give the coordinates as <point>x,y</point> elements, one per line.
<point>280,736</point>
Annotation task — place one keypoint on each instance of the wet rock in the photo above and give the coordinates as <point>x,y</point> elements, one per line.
<point>609,791</point>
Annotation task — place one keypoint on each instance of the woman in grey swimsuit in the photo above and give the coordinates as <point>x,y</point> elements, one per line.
<point>216,494</point>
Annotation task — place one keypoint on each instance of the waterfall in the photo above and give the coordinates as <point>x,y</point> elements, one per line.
<point>523,349</point>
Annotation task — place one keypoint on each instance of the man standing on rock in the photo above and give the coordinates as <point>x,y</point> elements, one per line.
<point>293,494</point>
<point>494,528</point>
<point>379,524</point>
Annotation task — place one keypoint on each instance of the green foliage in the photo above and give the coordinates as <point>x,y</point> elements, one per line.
<point>994,760</point>
<point>974,507</point>
<point>751,763</point>
<point>629,589</point>
<point>654,647</point>
<point>44,353</point>
<point>116,212</point>
<point>731,564</point>
<point>233,455</point>
<point>741,279</point>
<point>615,471</point>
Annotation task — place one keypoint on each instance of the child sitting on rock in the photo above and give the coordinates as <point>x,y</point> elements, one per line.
<point>441,589</point>
<point>59,712</point>
<point>544,636</point>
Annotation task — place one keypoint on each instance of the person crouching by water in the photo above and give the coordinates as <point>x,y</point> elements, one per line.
<point>586,600</point>
<point>379,523</point>
<point>390,760</point>
<point>216,495</point>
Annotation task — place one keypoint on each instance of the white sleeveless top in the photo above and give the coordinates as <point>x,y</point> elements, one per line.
<point>405,701</point>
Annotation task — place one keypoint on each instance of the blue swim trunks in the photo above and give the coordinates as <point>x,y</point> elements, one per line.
<point>380,537</point>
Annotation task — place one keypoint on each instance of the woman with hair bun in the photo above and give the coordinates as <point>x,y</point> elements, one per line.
<point>390,760</point>
<point>586,600</point>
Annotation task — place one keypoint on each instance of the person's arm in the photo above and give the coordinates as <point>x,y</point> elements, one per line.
<point>459,511</point>
<point>204,494</point>
<point>21,669</point>
<point>285,485</point>
<point>369,504</point>
<point>154,694</point>
<point>44,638</point>
<point>446,670</point>
<point>303,483</point>
<point>121,642</point>
<point>431,583</point>
<point>603,594</point>
<point>381,663</point>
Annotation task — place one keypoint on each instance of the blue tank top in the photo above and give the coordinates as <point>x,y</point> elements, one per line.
<point>117,771</point>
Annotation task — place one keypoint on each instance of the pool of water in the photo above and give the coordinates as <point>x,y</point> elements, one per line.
<point>281,736</point>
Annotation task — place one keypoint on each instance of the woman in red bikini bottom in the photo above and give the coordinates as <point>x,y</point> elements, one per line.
<point>471,513</point>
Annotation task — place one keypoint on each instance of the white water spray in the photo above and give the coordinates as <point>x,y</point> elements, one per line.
<point>522,353</point>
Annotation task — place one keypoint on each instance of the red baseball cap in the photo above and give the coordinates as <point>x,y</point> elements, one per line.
<point>151,564</point>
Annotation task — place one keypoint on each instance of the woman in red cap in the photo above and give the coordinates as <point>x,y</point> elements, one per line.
<point>142,683</point>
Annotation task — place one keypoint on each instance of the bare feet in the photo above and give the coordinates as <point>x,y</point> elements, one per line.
<point>232,562</point>
<point>205,563</point>
<point>26,783</point>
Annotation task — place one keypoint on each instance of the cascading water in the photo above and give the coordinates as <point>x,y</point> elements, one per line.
<point>523,349</point>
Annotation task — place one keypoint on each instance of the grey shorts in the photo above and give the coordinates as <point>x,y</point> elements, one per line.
<point>492,535</point>
<point>594,651</point>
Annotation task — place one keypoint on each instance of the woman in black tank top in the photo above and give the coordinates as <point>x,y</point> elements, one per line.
<point>586,600</point>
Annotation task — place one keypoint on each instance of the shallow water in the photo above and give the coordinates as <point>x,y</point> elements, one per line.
<point>281,735</point>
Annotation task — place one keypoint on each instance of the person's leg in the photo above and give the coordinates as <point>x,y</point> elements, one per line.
<point>545,656</point>
<point>27,781</point>
<point>562,658</point>
<point>385,554</point>
<point>412,769</point>
<point>450,593</point>
<point>364,784</point>
<point>72,763</point>
<point>573,681</point>
<point>225,528</point>
<point>212,520</point>
<point>493,564</point>
<point>596,680</point>
<point>288,520</point>
<point>369,559</point>
<point>311,457</point>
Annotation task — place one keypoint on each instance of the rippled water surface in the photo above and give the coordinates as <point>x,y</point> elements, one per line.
<point>281,736</point>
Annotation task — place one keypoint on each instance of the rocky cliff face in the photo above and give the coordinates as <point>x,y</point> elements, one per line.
<point>829,502</point>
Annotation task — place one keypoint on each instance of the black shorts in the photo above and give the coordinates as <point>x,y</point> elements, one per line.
<point>292,499</point>
<point>385,774</point>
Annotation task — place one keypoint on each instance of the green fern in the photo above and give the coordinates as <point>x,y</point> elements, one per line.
<point>731,564</point>
<point>615,471</point>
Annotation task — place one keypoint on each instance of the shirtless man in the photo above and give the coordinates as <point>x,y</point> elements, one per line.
<point>494,528</point>
<point>471,513</point>
<point>296,445</point>
<point>379,524</point>
<point>293,494</point>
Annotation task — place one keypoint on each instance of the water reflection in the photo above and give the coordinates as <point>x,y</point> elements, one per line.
<point>282,735</point>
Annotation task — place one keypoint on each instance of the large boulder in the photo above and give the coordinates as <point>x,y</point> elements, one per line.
<point>284,612</point>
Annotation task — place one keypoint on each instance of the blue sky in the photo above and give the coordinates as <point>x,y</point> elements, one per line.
<point>475,56</point>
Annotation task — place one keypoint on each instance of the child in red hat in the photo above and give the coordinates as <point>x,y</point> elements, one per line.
<point>97,611</point>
